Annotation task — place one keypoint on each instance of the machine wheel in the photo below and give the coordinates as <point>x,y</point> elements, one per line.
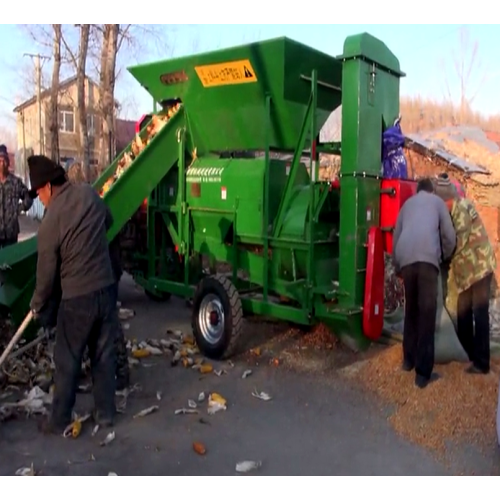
<point>217,318</point>
<point>158,296</point>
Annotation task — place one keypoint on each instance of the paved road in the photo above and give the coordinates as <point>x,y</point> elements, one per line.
<point>316,423</point>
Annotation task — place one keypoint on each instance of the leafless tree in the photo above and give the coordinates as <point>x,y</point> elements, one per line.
<point>81,77</point>
<point>470,74</point>
<point>54,94</point>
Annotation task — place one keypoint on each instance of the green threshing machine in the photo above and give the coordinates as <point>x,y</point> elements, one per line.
<point>295,248</point>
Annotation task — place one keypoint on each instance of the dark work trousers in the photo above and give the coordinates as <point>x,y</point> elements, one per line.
<point>473,327</point>
<point>122,368</point>
<point>84,321</point>
<point>8,242</point>
<point>421,282</point>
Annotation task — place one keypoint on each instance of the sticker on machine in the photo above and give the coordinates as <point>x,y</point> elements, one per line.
<point>223,193</point>
<point>228,73</point>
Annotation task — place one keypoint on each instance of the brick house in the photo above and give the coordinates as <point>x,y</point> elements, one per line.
<point>28,126</point>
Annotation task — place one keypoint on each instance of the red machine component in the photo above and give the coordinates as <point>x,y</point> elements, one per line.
<point>139,125</point>
<point>395,192</point>
<point>373,308</point>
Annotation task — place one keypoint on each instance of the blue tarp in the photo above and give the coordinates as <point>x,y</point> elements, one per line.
<point>394,165</point>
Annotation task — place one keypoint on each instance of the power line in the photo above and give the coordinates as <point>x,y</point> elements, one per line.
<point>38,66</point>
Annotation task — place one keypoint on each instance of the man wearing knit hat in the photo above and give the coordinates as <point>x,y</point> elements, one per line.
<point>472,267</point>
<point>14,197</point>
<point>73,249</point>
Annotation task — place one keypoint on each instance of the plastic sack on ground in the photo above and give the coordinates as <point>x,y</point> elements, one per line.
<point>447,347</point>
<point>394,165</point>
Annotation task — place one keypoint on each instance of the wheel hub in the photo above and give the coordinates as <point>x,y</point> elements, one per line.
<point>211,319</point>
<point>214,318</point>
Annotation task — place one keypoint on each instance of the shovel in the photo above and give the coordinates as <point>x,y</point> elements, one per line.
<point>16,337</point>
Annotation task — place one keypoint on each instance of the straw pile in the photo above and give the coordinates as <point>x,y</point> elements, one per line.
<point>456,408</point>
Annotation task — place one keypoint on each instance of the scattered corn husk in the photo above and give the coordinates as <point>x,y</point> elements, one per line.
<point>219,373</point>
<point>192,404</point>
<point>263,396</point>
<point>246,374</point>
<point>125,314</point>
<point>186,411</point>
<point>108,439</point>
<point>158,395</point>
<point>26,471</point>
<point>216,403</point>
<point>201,397</point>
<point>247,466</point>
<point>147,411</point>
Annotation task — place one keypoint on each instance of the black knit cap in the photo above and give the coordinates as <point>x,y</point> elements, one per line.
<point>42,170</point>
<point>4,153</point>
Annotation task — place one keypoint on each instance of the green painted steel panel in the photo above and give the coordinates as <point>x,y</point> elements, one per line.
<point>218,188</point>
<point>232,117</point>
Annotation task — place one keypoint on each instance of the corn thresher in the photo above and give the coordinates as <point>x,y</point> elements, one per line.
<point>230,224</point>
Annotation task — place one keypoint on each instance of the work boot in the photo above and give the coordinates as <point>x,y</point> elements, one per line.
<point>422,382</point>
<point>474,370</point>
<point>407,366</point>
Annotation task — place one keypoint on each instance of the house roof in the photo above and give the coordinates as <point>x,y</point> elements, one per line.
<point>46,92</point>
<point>437,143</point>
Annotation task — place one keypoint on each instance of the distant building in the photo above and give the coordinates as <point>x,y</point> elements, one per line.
<point>28,126</point>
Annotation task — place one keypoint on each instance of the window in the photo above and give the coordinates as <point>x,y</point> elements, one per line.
<point>67,122</point>
<point>90,125</point>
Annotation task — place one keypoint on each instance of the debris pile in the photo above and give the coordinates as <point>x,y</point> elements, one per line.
<point>455,408</point>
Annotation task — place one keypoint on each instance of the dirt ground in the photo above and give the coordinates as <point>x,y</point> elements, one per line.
<point>317,422</point>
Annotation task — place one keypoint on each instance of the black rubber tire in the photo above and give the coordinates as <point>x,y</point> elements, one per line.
<point>160,297</point>
<point>233,312</point>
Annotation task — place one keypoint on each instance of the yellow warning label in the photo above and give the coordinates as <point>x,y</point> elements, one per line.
<point>229,73</point>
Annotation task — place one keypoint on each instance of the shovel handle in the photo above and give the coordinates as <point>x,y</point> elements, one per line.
<point>16,337</point>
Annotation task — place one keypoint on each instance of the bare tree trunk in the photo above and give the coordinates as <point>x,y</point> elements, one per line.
<point>82,108</point>
<point>110,98</point>
<point>54,93</point>
<point>107,92</point>
<point>104,132</point>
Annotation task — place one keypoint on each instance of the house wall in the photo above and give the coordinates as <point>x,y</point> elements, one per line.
<point>27,123</point>
<point>420,166</point>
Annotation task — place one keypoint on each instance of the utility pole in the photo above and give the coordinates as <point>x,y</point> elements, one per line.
<point>38,68</point>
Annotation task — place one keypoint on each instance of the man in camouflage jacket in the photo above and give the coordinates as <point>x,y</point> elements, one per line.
<point>473,265</point>
<point>12,191</point>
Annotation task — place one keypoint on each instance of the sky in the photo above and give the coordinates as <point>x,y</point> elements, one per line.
<point>426,54</point>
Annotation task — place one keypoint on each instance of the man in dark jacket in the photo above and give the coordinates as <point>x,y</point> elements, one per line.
<point>423,237</point>
<point>14,197</point>
<point>72,247</point>
<point>122,367</point>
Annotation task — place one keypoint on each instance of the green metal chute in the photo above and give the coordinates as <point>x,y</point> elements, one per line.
<point>126,195</point>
